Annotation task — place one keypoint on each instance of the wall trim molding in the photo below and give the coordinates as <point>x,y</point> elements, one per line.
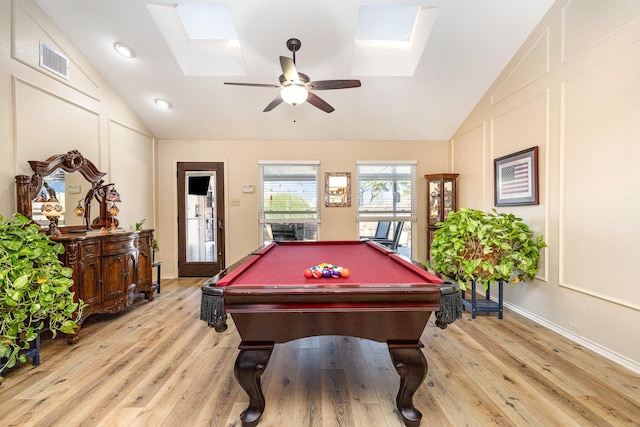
<point>601,296</point>
<point>15,54</point>
<point>544,146</point>
<point>543,40</point>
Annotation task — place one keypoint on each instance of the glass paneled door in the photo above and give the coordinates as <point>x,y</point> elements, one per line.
<point>200,219</point>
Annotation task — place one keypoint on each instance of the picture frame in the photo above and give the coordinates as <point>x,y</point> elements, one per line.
<point>516,178</point>
<point>337,189</point>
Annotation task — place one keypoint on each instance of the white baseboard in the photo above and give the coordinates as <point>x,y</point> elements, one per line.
<point>596,348</point>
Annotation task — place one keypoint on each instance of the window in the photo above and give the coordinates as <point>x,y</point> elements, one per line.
<point>290,205</point>
<point>387,192</point>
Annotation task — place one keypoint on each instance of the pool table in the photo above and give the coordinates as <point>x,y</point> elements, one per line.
<point>386,298</point>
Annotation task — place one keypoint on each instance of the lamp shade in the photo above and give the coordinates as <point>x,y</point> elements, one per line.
<point>51,208</point>
<point>112,195</point>
<point>294,94</point>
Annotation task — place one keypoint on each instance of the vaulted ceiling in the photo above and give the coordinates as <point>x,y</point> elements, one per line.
<point>416,85</point>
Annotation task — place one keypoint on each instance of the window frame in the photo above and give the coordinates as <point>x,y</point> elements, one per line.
<point>368,215</point>
<point>287,217</point>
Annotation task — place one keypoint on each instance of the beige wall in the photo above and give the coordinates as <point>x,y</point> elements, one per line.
<point>573,91</point>
<point>42,115</point>
<point>241,166</point>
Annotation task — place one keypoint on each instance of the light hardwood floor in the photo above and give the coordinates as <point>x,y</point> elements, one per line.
<point>157,364</point>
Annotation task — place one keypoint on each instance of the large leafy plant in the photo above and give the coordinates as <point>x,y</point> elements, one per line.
<point>485,247</point>
<point>35,289</point>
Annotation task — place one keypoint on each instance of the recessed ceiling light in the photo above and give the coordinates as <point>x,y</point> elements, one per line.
<point>162,103</point>
<point>124,50</point>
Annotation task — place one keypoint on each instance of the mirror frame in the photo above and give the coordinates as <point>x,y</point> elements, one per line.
<point>28,187</point>
<point>329,197</point>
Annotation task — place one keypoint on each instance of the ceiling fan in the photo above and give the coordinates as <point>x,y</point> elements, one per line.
<point>295,86</point>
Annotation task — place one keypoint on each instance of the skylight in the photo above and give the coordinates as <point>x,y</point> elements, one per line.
<point>207,21</point>
<point>386,23</point>
<point>201,36</point>
<point>390,39</point>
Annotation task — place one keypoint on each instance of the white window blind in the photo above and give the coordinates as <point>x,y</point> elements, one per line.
<point>386,191</point>
<point>290,192</point>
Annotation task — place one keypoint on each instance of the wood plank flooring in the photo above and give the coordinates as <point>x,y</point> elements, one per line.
<point>157,364</point>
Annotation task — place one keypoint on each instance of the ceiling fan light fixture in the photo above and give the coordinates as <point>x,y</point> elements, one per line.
<point>295,86</point>
<point>294,94</point>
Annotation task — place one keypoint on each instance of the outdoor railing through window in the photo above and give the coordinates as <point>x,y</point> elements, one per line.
<point>386,192</point>
<point>290,205</point>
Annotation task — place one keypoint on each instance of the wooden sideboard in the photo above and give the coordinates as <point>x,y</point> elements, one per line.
<point>111,266</point>
<point>110,269</point>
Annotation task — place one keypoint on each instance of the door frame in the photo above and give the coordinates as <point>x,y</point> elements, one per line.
<point>219,168</point>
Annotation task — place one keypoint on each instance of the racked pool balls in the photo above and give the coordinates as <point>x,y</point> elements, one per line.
<point>326,270</point>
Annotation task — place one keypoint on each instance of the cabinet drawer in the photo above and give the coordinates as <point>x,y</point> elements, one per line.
<point>114,247</point>
<point>90,249</point>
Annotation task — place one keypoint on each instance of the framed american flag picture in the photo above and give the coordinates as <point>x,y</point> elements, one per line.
<point>516,178</point>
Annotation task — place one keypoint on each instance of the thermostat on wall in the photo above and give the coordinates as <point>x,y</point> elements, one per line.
<point>73,189</point>
<point>248,188</point>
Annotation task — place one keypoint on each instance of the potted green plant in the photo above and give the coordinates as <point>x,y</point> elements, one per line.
<point>485,247</point>
<point>154,244</point>
<point>35,289</point>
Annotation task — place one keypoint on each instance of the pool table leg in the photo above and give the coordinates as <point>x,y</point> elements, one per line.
<point>250,365</point>
<point>412,367</point>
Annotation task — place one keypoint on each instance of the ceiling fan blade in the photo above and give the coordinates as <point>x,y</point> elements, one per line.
<point>316,101</point>
<point>273,104</point>
<point>333,84</point>
<point>251,84</point>
<point>289,69</point>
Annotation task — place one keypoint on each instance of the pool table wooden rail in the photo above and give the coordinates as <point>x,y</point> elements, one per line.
<point>265,315</point>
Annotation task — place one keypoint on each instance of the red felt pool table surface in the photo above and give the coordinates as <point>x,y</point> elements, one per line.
<point>386,298</point>
<point>283,264</point>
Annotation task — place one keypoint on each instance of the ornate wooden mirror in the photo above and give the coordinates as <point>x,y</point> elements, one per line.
<point>57,176</point>
<point>337,189</point>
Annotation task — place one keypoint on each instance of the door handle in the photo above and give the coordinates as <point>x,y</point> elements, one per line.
<point>220,225</point>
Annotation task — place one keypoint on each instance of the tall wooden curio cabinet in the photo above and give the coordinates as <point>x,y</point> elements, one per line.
<point>441,199</point>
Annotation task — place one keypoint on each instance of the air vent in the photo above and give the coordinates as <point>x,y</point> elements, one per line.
<point>53,61</point>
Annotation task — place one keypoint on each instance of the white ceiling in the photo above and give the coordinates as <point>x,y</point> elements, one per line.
<point>469,45</point>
